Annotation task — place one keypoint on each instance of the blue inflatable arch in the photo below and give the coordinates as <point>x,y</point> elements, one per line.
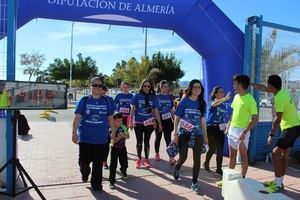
<point>199,22</point>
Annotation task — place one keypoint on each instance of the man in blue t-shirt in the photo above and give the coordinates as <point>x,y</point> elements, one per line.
<point>93,115</point>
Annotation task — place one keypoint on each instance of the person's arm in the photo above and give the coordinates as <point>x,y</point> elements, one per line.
<point>176,123</point>
<point>253,122</point>
<point>75,127</point>
<point>111,124</point>
<point>220,101</point>
<point>260,87</point>
<point>132,111</point>
<point>204,129</point>
<point>275,126</point>
<point>155,113</point>
<point>228,125</point>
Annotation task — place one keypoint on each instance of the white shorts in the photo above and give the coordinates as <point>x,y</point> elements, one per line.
<point>233,137</point>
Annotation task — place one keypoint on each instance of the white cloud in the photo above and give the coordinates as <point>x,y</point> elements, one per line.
<point>100,48</point>
<point>80,29</point>
<point>184,48</point>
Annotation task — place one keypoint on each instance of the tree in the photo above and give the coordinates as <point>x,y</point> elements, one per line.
<point>168,67</point>
<point>33,62</point>
<point>81,69</point>
<point>276,61</point>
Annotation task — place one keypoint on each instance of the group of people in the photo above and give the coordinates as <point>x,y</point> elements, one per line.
<point>101,121</point>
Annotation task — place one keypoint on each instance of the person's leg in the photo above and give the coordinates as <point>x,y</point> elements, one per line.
<point>183,145</point>
<point>98,157</point>
<point>244,155</point>
<point>123,159</point>
<point>168,128</point>
<point>113,165</point>
<point>84,160</point>
<point>211,136</point>
<point>138,129</point>
<point>148,131</point>
<point>232,157</point>
<point>220,147</point>
<point>105,165</point>
<point>158,136</point>
<point>197,157</point>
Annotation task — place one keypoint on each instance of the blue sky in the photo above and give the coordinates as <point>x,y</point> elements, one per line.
<point>52,37</point>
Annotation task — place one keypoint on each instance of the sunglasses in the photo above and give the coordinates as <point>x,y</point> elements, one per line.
<point>97,85</point>
<point>146,86</point>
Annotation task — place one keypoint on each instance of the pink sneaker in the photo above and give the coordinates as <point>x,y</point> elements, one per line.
<point>147,163</point>
<point>157,158</point>
<point>138,163</point>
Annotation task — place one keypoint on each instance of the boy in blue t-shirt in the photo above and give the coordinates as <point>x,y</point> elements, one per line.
<point>118,150</point>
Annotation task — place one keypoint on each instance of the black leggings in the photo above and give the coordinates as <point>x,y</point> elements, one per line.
<point>168,127</point>
<point>141,130</point>
<point>183,144</point>
<point>215,142</point>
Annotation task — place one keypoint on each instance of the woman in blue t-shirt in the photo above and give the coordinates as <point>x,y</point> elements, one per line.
<point>144,117</point>
<point>123,101</point>
<point>166,111</point>
<point>190,129</point>
<point>216,125</point>
<point>93,115</point>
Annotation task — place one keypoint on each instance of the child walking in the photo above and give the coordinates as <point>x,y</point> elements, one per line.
<point>118,150</point>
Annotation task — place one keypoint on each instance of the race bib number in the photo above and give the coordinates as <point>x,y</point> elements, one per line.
<point>148,122</point>
<point>186,125</point>
<point>124,110</point>
<point>223,126</point>
<point>166,116</point>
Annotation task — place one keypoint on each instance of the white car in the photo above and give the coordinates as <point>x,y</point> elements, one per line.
<point>266,102</point>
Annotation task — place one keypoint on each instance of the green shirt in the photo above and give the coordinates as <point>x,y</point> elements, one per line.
<point>4,100</point>
<point>243,109</point>
<point>284,103</point>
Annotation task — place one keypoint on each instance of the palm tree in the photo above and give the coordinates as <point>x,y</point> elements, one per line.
<point>276,61</point>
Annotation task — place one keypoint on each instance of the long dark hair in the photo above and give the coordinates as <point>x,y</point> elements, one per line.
<point>202,103</point>
<point>151,93</point>
<point>214,92</point>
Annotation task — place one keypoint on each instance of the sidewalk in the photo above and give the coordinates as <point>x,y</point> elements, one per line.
<point>50,158</point>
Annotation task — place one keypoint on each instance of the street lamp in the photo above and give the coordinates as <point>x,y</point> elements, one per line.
<point>71,56</point>
<point>146,38</point>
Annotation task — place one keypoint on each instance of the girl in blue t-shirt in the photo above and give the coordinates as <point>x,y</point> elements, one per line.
<point>216,125</point>
<point>123,101</point>
<point>144,117</point>
<point>93,116</point>
<point>190,129</point>
<point>166,111</point>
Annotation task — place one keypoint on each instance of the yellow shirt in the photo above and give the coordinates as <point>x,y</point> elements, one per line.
<point>243,109</point>
<point>4,100</point>
<point>283,102</point>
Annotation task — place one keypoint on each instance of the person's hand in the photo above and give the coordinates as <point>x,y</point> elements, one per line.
<point>205,140</point>
<point>226,130</point>
<point>75,138</point>
<point>154,124</point>
<point>175,137</point>
<point>242,135</point>
<point>270,140</point>
<point>160,128</point>
<point>131,125</point>
<point>227,97</point>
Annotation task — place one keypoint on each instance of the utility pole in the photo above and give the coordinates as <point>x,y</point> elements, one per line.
<point>146,38</point>
<point>71,55</point>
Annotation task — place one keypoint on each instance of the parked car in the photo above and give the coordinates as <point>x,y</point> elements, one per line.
<point>268,102</point>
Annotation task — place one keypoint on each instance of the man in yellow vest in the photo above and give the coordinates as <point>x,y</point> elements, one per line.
<point>287,118</point>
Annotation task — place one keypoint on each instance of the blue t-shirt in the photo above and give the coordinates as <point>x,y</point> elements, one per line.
<point>216,115</point>
<point>93,125</point>
<point>142,113</point>
<point>190,117</point>
<point>123,103</point>
<point>112,102</point>
<point>165,105</point>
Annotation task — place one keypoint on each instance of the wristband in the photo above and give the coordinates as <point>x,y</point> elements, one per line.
<point>271,134</point>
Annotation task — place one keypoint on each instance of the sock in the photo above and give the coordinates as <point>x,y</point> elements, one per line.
<point>278,181</point>
<point>282,179</point>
